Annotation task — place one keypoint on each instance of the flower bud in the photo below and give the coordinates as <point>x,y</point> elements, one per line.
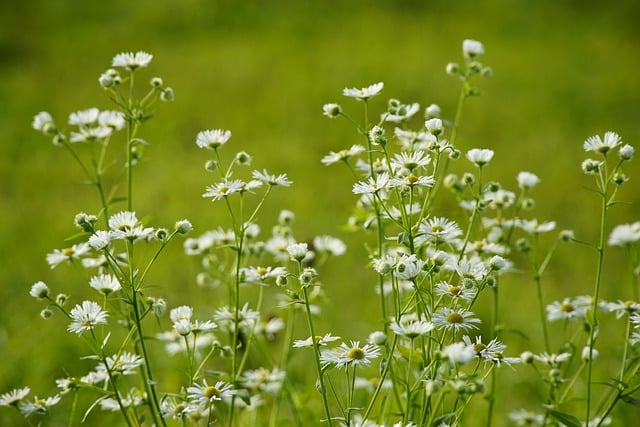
<point>46,313</point>
<point>332,110</point>
<point>378,338</point>
<point>432,111</point>
<point>156,82</point>
<point>167,95</point>
<point>183,226</point>
<point>452,68</point>
<point>211,165</point>
<point>243,158</point>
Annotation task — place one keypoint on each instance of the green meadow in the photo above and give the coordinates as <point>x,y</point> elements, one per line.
<point>562,71</point>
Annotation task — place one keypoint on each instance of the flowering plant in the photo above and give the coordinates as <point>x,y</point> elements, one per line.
<point>432,354</point>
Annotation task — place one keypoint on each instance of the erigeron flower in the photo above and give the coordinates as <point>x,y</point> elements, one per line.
<point>401,114</point>
<point>553,360</point>
<point>432,110</point>
<point>39,290</point>
<point>106,284</point>
<point>434,126</point>
<point>459,353</point>
<point>373,185</point>
<point>491,352</point>
<point>273,180</point>
<point>589,353</point>
<point>330,245</point>
<point>205,394</point>
<point>454,318</point>
<point>84,118</point>
<point>227,187</point>
<point>620,308</point>
<point>132,60</point>
<point>438,230</point>
<point>412,329</point>
<point>262,379</point>
<point>112,119</point>
<point>480,156</point>
<point>407,267</point>
<point>342,155</point>
<point>100,239</point>
<point>261,274</point>
<point>472,269</point>
<point>455,292</point>
<point>500,199</point>
<point>43,122</point>
<point>566,309</point>
<point>591,166</point>
<point>85,316</point>
<point>37,406</point>
<point>184,312</point>
<point>626,152</point>
<point>131,399</point>
<point>415,140</point>
<point>212,138</point>
<point>533,227</point>
<point>624,234</point>
<point>411,181</point>
<point>410,161</point>
<point>298,251</point>
<point>602,145</point>
<point>364,93</point>
<point>13,397</point>
<point>320,341</point>
<point>331,110</point>
<point>247,318</point>
<point>124,363</point>
<point>350,355</point>
<point>91,134</point>
<point>59,256</point>
<point>472,48</point>
<point>125,226</point>
<point>522,417</point>
<point>527,180</point>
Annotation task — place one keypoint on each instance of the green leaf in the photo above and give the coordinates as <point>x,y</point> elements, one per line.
<point>631,400</point>
<point>443,419</point>
<point>566,419</point>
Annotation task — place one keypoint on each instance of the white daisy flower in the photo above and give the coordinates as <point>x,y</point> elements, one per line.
<point>407,267</point>
<point>131,60</point>
<point>527,180</point>
<point>320,340</point>
<point>533,227</point>
<point>401,114</point>
<point>122,364</point>
<point>84,118</point>
<point>626,152</point>
<point>624,234</point>
<point>37,406</point>
<point>342,155</point>
<point>273,180</point>
<point>411,140</point>
<point>522,417</point>
<point>183,312</point>
<point>455,292</point>
<point>480,156</point>
<point>566,309</point>
<point>59,256</point>
<point>330,245</point>
<point>553,360</point>
<point>205,394</point>
<point>459,353</point>
<point>410,161</point>
<point>331,110</point>
<point>85,316</point>
<point>106,284</point>
<point>353,354</point>
<point>39,290</point>
<point>262,379</point>
<point>472,48</point>
<point>13,397</point>
<point>261,274</point>
<point>602,145</point>
<point>454,318</point>
<point>373,185</point>
<point>43,121</point>
<point>364,93</point>
<point>224,189</point>
<point>412,329</point>
<point>213,138</point>
<point>434,126</point>
<point>438,230</point>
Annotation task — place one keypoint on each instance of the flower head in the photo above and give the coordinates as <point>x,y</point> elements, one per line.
<point>412,329</point>
<point>14,396</point>
<point>213,139</point>
<point>364,93</point>
<point>353,354</point>
<point>602,145</point>
<point>85,316</point>
<point>39,290</point>
<point>273,180</point>
<point>131,60</point>
<point>331,110</point>
<point>480,156</point>
<point>472,49</point>
<point>106,284</point>
<point>342,155</point>
<point>205,394</point>
<point>455,318</point>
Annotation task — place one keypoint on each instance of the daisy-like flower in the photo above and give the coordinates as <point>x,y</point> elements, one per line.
<point>412,329</point>
<point>125,226</point>
<point>620,308</point>
<point>298,251</point>
<point>401,113</point>
<point>624,234</point>
<point>43,122</point>
<point>410,161</point>
<point>591,166</point>
<point>131,60</point>
<point>602,145</point>
<point>37,406</point>
<point>626,152</point>
<point>320,340</point>
<point>112,119</point>
<point>473,269</point>
<point>353,354</point>
<point>331,110</point>
<point>434,126</point>
<point>455,292</point>
<point>179,313</point>
<point>13,397</point>
<point>273,180</point>
<point>459,353</point>
<point>122,364</point>
<point>59,256</point>
<point>533,227</point>
<point>212,138</point>
<point>553,360</point>
<point>373,185</point>
<point>491,352</point>
<point>106,284</point>
<point>330,245</point>
<point>224,189</point>
<point>412,181</point>
<point>86,316</point>
<point>527,180</point>
<point>205,394</point>
<point>522,417</point>
<point>364,93</point>
<point>566,309</point>
<point>84,118</point>
<point>262,379</point>
<point>454,318</point>
<point>92,134</point>
<point>501,199</point>
<point>261,274</point>
<point>247,317</point>
<point>407,267</point>
<point>480,156</point>
<point>438,230</point>
<point>412,140</point>
<point>39,290</point>
<point>472,48</point>
<point>342,155</point>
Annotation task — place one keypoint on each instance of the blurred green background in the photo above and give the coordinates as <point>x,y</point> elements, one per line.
<point>563,70</point>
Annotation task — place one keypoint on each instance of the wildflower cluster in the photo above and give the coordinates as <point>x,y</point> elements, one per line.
<point>435,273</point>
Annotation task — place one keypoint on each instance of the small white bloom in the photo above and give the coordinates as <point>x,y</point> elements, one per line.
<point>84,117</point>
<point>131,60</point>
<point>59,256</point>
<point>273,180</point>
<point>85,316</point>
<point>320,340</point>
<point>39,290</point>
<point>472,48</point>
<point>553,360</point>
<point>205,394</point>
<point>42,121</point>
<point>331,110</point>
<point>112,119</point>
<point>589,353</point>
<point>602,145</point>
<point>527,180</point>
<point>480,156</point>
<point>364,93</point>
<point>459,352</point>
<point>432,111</point>
<point>533,227</point>
<point>342,155</point>
<point>13,397</point>
<point>297,251</point>
<point>626,152</point>
<point>100,239</point>
<point>182,312</point>
<point>353,354</point>
<point>213,139</point>
<point>454,318</point>
<point>373,185</point>
<point>624,234</point>
<point>412,329</point>
<point>330,245</point>
<point>106,284</point>
<point>434,126</point>
<point>37,405</point>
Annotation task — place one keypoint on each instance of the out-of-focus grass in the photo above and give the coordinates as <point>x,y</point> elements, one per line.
<point>562,72</point>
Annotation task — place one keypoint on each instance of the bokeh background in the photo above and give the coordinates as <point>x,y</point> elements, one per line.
<point>563,70</point>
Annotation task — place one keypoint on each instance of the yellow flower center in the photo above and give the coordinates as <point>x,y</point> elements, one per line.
<point>68,252</point>
<point>211,392</point>
<point>261,271</point>
<point>355,354</point>
<point>567,307</point>
<point>454,290</point>
<point>437,228</point>
<point>455,318</point>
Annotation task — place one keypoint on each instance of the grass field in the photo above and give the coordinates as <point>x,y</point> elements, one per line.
<point>563,71</point>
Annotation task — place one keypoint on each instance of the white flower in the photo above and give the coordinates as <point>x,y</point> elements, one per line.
<point>38,405</point>
<point>373,185</point>
<point>602,146</point>
<point>105,284</point>
<point>626,152</point>
<point>553,360</point>
<point>320,340</point>
<point>522,417</point>
<point>39,290</point>
<point>364,93</point>
<point>213,138</point>
<point>625,234</point>
<point>331,110</point>
<point>132,60</point>
<point>125,225</point>
<point>459,352</point>
<point>412,329</point>
<point>14,396</point>
<point>410,160</point>
<point>455,292</point>
<point>112,119</point>
<point>480,156</point>
<point>567,309</point>
<point>122,364</point>
<point>264,176</point>
<point>433,110</point>
<point>226,188</point>
<point>183,312</point>
<point>434,126</point>
<point>407,267</point>
<point>403,113</point>
<point>438,230</point>
<point>260,274</point>
<point>206,394</point>
<point>533,227</point>
<point>59,256</point>
<point>342,155</point>
<point>472,48</point>
<point>264,380</point>
<point>100,239</point>
<point>527,180</point>
<point>297,251</point>
<point>84,117</point>
<point>454,318</point>
<point>589,353</point>
<point>42,121</point>
<point>330,245</point>
<point>85,316</point>
<point>353,354</point>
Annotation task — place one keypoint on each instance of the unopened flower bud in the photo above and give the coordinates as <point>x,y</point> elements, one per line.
<point>211,165</point>
<point>243,158</point>
<point>566,236</point>
<point>432,111</point>
<point>331,110</point>
<point>183,226</point>
<point>46,313</point>
<point>167,95</point>
<point>378,338</point>
<point>156,82</point>
<point>527,357</point>
<point>452,68</point>
<point>626,152</point>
